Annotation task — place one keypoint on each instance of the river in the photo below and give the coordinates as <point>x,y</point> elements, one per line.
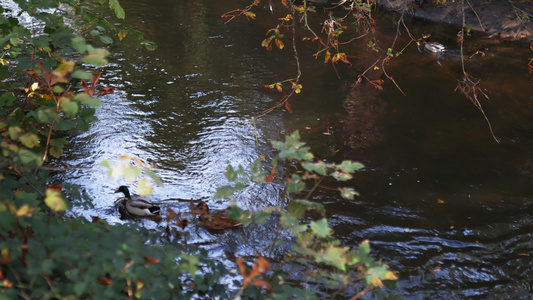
<point>441,202</point>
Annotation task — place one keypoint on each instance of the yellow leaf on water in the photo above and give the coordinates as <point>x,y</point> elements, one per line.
<point>440,201</point>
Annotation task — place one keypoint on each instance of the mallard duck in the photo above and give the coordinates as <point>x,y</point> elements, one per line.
<point>216,220</point>
<point>137,207</point>
<point>433,47</point>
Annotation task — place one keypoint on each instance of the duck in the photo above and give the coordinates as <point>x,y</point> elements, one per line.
<point>137,207</point>
<point>215,220</point>
<point>433,47</point>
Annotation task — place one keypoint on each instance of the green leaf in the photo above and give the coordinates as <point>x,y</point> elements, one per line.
<point>70,108</point>
<point>85,99</point>
<point>131,174</point>
<point>318,167</point>
<point>150,46</point>
<point>56,152</point>
<point>79,44</point>
<point>235,213</point>
<point>154,177</point>
<point>96,57</point>
<point>119,11</point>
<point>64,125</point>
<point>341,176</point>
<point>14,132</point>
<point>299,207</point>
<point>58,142</point>
<point>26,156</point>
<point>106,39</point>
<point>82,74</point>
<point>46,115</point>
<point>79,288</point>
<point>7,99</point>
<point>260,217</point>
<point>106,164</point>
<point>295,184</point>
<point>228,190</point>
<point>348,193</point>
<point>29,140</point>
<point>350,166</point>
<point>321,228</point>
<point>335,256</point>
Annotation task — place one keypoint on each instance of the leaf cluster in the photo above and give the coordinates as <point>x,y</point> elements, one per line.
<point>324,262</point>
<point>47,92</point>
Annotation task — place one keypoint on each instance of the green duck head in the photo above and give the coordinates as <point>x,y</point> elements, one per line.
<point>124,189</point>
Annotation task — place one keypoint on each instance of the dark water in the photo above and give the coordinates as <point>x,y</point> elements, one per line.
<point>441,201</point>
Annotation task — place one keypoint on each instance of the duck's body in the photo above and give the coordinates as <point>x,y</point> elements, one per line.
<point>216,220</point>
<point>433,47</point>
<point>137,207</point>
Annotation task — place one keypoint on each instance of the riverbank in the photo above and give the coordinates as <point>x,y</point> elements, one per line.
<point>503,18</point>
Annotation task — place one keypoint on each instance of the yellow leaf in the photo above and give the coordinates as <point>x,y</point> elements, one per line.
<point>390,276</point>
<point>6,256</point>
<point>144,187</point>
<point>279,43</point>
<point>440,201</point>
<point>376,68</point>
<point>25,211</point>
<point>54,200</point>
<point>377,282</point>
<point>122,34</point>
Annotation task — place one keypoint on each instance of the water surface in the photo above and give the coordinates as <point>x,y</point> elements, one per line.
<point>441,201</point>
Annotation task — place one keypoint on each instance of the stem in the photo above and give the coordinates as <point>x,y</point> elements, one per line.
<point>463,38</point>
<point>46,149</point>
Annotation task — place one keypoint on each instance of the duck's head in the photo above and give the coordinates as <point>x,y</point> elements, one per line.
<point>201,209</point>
<point>124,189</point>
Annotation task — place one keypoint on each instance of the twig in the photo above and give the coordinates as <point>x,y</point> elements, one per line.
<point>19,280</point>
<point>515,10</point>
<point>363,74</point>
<point>286,98</point>
<point>477,16</point>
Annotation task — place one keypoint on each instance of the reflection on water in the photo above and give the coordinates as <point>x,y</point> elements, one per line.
<point>440,201</point>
